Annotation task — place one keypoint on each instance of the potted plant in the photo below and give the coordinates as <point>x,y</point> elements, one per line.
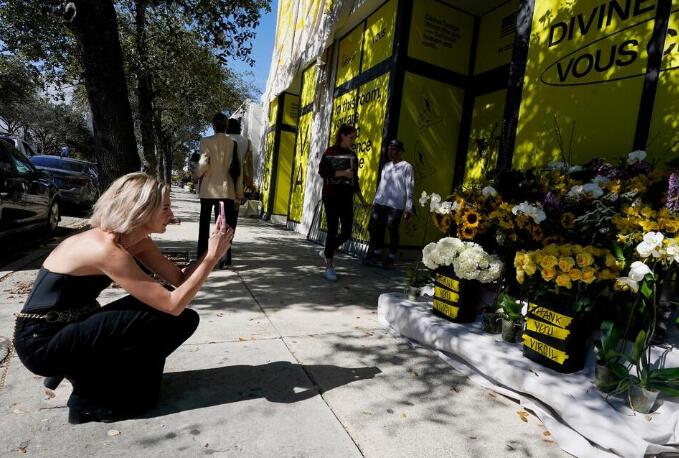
<point>511,318</point>
<point>609,369</point>
<point>416,280</point>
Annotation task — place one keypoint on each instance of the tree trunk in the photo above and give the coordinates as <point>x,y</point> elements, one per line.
<point>95,27</point>
<point>145,93</point>
<point>167,150</point>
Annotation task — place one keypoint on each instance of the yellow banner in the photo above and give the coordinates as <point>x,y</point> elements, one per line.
<point>545,350</point>
<point>447,309</point>
<point>343,112</point>
<point>379,36</point>
<point>273,112</point>
<point>441,35</point>
<point>299,173</point>
<point>496,37</point>
<point>586,67</point>
<point>349,60</point>
<point>266,176</point>
<point>441,293</point>
<point>550,316</point>
<point>448,282</point>
<point>485,134</point>
<point>663,139</point>
<point>546,329</point>
<point>429,126</point>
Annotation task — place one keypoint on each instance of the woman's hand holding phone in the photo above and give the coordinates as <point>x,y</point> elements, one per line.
<point>220,240</point>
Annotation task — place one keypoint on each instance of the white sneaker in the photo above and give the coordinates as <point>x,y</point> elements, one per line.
<point>322,254</point>
<point>330,274</point>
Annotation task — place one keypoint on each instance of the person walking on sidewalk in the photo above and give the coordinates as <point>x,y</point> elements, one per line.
<point>339,169</point>
<point>113,355</point>
<point>394,200</point>
<point>222,180</point>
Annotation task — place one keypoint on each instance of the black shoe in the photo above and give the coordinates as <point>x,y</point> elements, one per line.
<point>388,263</point>
<point>371,260</point>
<point>52,383</point>
<point>78,416</point>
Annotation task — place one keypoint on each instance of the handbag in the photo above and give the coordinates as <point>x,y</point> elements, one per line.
<point>234,168</point>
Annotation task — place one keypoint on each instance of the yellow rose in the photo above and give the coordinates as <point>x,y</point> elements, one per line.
<point>607,274</point>
<point>564,281</point>
<point>577,248</point>
<point>588,275</point>
<point>566,263</point>
<point>611,262</point>
<point>519,258</point>
<point>529,267</point>
<point>575,274</point>
<point>584,259</point>
<point>520,276</point>
<point>537,256</point>
<point>551,249</point>
<point>548,273</point>
<point>548,261</point>
<point>647,212</point>
<point>564,250</point>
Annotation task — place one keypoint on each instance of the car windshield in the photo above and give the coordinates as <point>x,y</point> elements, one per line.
<point>58,163</point>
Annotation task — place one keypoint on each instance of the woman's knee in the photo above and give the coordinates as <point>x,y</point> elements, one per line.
<point>190,320</point>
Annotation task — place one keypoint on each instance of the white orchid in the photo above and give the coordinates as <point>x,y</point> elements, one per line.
<point>625,283</point>
<point>638,271</point>
<point>672,251</point>
<point>592,190</point>
<point>489,191</point>
<point>636,156</point>
<point>446,208</point>
<point>435,203</point>
<point>424,198</point>
<point>602,181</point>
<point>534,211</point>
<point>651,245</point>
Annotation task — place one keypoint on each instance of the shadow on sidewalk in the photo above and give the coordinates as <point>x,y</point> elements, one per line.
<point>280,382</point>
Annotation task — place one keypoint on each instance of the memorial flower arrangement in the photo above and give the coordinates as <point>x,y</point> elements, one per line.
<point>468,259</point>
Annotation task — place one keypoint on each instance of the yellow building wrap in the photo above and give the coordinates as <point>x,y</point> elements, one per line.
<point>343,112</point>
<point>273,112</point>
<point>309,77</point>
<point>441,35</point>
<point>429,125</point>
<point>379,36</point>
<point>584,73</point>
<point>496,38</point>
<point>286,150</point>
<point>663,139</point>
<point>268,164</point>
<point>371,112</point>
<point>485,134</point>
<point>349,59</point>
<point>302,146</point>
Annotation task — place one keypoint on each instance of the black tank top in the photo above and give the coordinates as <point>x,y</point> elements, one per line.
<point>55,291</point>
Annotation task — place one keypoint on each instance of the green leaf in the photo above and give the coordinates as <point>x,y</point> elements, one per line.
<point>666,374</point>
<point>638,348</point>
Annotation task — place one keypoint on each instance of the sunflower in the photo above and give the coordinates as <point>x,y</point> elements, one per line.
<point>568,220</point>
<point>470,218</point>
<point>468,233</point>
<point>538,233</point>
<point>445,223</point>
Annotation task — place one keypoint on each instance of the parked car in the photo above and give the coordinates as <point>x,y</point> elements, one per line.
<point>28,196</point>
<point>77,180</point>
<point>19,143</point>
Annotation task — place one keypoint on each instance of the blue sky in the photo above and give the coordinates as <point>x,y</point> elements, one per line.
<point>262,49</point>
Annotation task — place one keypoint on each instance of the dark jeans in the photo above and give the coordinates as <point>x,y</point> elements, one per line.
<point>382,218</point>
<point>114,358</point>
<point>206,207</point>
<point>338,210</point>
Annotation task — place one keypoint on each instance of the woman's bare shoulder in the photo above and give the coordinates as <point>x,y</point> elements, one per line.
<point>83,254</point>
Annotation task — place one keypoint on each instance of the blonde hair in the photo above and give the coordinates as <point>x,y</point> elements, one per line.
<point>128,203</point>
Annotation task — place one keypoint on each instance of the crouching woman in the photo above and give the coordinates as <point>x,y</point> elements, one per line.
<point>113,355</point>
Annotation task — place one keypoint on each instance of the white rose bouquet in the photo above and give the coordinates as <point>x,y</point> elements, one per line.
<point>469,260</point>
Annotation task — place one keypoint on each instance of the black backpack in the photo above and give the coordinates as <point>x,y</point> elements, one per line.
<point>234,168</point>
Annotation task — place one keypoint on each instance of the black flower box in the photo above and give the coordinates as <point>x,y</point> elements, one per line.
<point>455,300</point>
<point>554,336</point>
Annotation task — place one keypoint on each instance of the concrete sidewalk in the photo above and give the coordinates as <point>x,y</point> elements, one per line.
<point>283,364</point>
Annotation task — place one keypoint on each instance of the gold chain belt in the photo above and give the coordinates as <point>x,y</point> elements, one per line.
<point>60,316</point>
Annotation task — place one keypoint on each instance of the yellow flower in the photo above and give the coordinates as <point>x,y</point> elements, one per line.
<point>468,233</point>
<point>519,259</point>
<point>588,275</point>
<point>548,273</point>
<point>564,281</point>
<point>647,225</point>
<point>584,259</point>
<point>607,274</point>
<point>538,233</point>
<point>647,212</point>
<point>611,262</point>
<point>470,218</point>
<point>520,276</point>
<point>529,267</point>
<point>568,220</point>
<point>552,249</point>
<point>565,249</point>
<point>537,256</point>
<point>548,261</point>
<point>566,263</point>
<point>575,274</point>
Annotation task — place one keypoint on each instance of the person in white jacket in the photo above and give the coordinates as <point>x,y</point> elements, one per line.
<point>393,201</point>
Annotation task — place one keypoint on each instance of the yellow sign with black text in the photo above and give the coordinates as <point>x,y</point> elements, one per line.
<point>485,134</point>
<point>550,316</point>
<point>268,163</point>
<point>290,109</point>
<point>545,350</point>
<point>286,150</point>
<point>447,309</point>
<point>349,60</point>
<point>546,329</point>
<point>302,147</point>
<point>496,38</point>
<point>450,283</point>
<point>584,78</point>
<point>379,36</point>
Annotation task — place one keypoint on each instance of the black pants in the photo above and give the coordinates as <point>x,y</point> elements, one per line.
<point>114,358</point>
<point>382,218</point>
<point>338,210</point>
<point>206,208</point>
